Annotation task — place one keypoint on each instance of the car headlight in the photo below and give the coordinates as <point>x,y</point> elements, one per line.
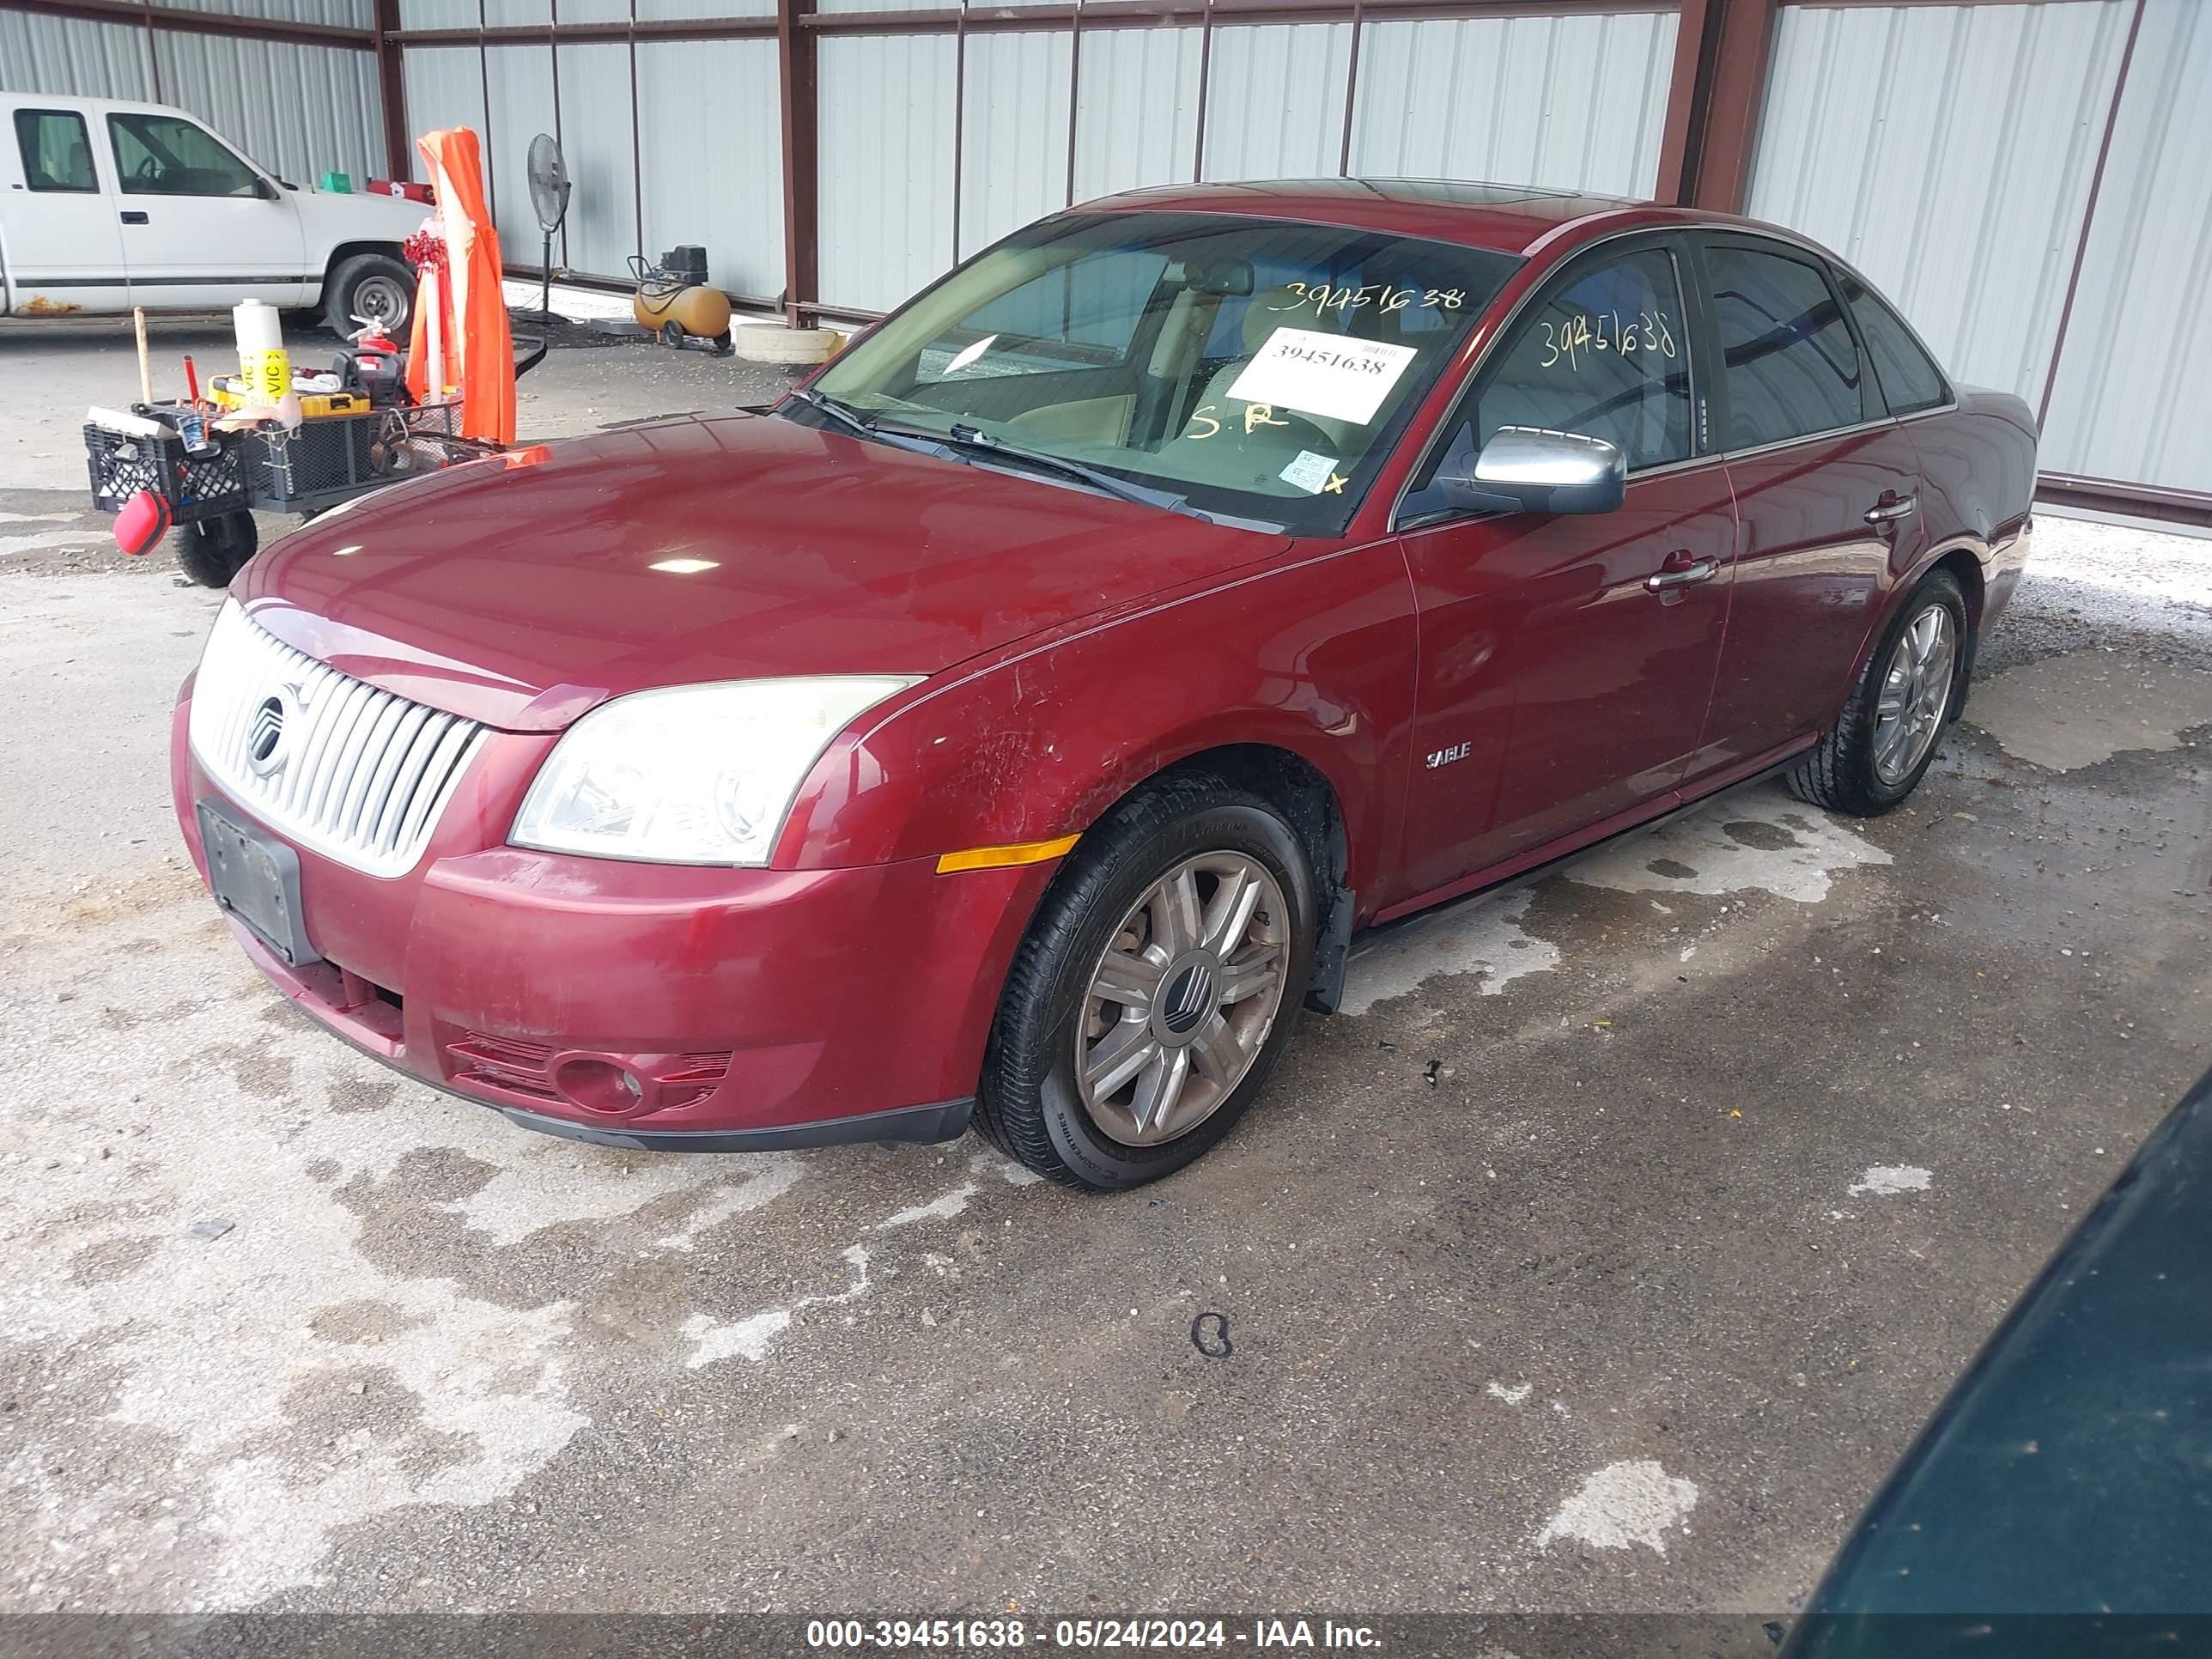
<point>690,774</point>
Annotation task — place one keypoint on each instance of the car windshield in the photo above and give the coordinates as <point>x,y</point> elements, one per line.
<point>1253,369</point>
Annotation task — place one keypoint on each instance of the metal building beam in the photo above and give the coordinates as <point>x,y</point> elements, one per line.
<point>392,84</point>
<point>150,16</point>
<point>797,84</point>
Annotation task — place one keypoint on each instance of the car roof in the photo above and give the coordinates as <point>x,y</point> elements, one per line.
<point>1508,218</point>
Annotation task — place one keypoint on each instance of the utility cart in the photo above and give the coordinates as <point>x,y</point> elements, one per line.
<point>209,483</point>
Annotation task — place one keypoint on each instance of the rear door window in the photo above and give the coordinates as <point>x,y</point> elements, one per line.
<point>56,152</point>
<point>1791,366</point>
<point>1909,378</point>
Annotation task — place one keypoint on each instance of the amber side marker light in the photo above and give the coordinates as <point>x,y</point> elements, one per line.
<point>998,858</point>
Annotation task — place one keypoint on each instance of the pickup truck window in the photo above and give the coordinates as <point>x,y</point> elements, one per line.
<point>57,154</point>
<point>163,156</point>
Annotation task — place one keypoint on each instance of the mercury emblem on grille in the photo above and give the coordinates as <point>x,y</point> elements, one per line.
<point>265,751</point>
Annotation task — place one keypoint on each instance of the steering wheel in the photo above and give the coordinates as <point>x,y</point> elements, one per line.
<point>148,171</point>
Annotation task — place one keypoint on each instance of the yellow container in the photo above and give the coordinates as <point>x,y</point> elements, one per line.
<point>266,375</point>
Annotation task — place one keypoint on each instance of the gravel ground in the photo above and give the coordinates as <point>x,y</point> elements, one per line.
<point>1603,1255</point>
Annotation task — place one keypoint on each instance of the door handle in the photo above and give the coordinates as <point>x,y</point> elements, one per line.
<point>1680,574</point>
<point>132,216</point>
<point>1891,507</point>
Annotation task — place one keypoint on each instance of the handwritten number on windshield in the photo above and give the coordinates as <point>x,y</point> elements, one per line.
<point>1382,297</point>
<point>1570,339</point>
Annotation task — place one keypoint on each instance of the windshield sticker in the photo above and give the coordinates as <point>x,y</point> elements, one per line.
<point>1571,339</point>
<point>1323,374</point>
<point>968,356</point>
<point>1309,472</point>
<point>1381,295</point>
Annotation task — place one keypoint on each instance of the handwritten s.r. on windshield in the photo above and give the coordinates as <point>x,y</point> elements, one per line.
<point>1570,340</point>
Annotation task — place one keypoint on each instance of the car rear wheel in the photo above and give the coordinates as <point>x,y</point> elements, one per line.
<point>1156,990</point>
<point>1886,738</point>
<point>372,287</point>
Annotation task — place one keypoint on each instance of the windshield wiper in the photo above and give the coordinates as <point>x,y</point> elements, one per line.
<point>898,437</point>
<point>969,437</point>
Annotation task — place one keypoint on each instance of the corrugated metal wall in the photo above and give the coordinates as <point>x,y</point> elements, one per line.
<point>886,165</point>
<point>1572,101</point>
<point>300,111</point>
<point>1947,151</point>
<point>726,196</point>
<point>69,55</point>
<point>1576,100</point>
<point>2132,400</point>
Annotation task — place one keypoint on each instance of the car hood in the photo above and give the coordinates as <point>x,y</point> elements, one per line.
<point>521,590</point>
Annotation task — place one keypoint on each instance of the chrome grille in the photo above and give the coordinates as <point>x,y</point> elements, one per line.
<point>358,773</point>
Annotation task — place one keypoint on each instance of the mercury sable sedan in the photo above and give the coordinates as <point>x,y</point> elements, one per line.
<point>1012,725</point>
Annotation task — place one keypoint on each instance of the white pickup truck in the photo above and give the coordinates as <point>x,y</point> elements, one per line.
<point>107,205</point>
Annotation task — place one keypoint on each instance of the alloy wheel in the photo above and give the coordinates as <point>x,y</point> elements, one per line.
<point>1179,1003</point>
<point>1915,691</point>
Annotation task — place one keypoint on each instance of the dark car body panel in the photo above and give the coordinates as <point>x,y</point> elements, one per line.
<point>2069,1470</point>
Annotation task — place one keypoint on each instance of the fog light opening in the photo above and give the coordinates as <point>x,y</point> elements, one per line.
<point>599,1086</point>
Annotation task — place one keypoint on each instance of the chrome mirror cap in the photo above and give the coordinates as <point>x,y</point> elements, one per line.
<point>1540,470</point>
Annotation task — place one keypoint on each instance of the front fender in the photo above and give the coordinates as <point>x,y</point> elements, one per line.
<point>1315,656</point>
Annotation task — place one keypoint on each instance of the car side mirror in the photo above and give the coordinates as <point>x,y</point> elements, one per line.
<point>1526,469</point>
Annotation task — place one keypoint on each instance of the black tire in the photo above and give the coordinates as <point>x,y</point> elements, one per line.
<point>378,286</point>
<point>213,551</point>
<point>672,335</point>
<point>1029,1105</point>
<point>1838,772</point>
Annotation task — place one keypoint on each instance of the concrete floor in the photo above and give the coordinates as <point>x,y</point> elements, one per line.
<point>1602,1256</point>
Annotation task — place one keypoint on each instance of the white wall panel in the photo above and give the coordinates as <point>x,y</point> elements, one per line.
<point>648,10</point>
<point>600,232</point>
<point>1013,141</point>
<point>340,14</point>
<point>1275,105</point>
<point>1137,109</point>
<point>1947,151</point>
<point>437,15</point>
<point>521,107</point>
<point>299,111</point>
<point>885,160</point>
<point>1578,102</point>
<point>727,195</point>
<point>68,55</point>
<point>445,89</point>
<point>2132,401</point>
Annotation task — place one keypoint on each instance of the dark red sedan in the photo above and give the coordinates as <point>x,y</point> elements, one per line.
<point>1013,725</point>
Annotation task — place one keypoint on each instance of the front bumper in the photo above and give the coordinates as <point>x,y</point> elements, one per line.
<point>749,1009</point>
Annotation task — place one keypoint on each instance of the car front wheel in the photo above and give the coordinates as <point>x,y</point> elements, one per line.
<point>1885,739</point>
<point>1154,993</point>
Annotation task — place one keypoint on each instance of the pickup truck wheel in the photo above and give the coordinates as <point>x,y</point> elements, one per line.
<point>213,551</point>
<point>1886,738</point>
<point>1156,987</point>
<point>374,286</point>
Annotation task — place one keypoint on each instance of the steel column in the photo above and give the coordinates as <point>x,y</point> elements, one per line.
<point>798,89</point>
<point>392,84</point>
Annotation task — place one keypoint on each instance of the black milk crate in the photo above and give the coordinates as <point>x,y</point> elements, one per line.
<point>196,487</point>
<point>335,457</point>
